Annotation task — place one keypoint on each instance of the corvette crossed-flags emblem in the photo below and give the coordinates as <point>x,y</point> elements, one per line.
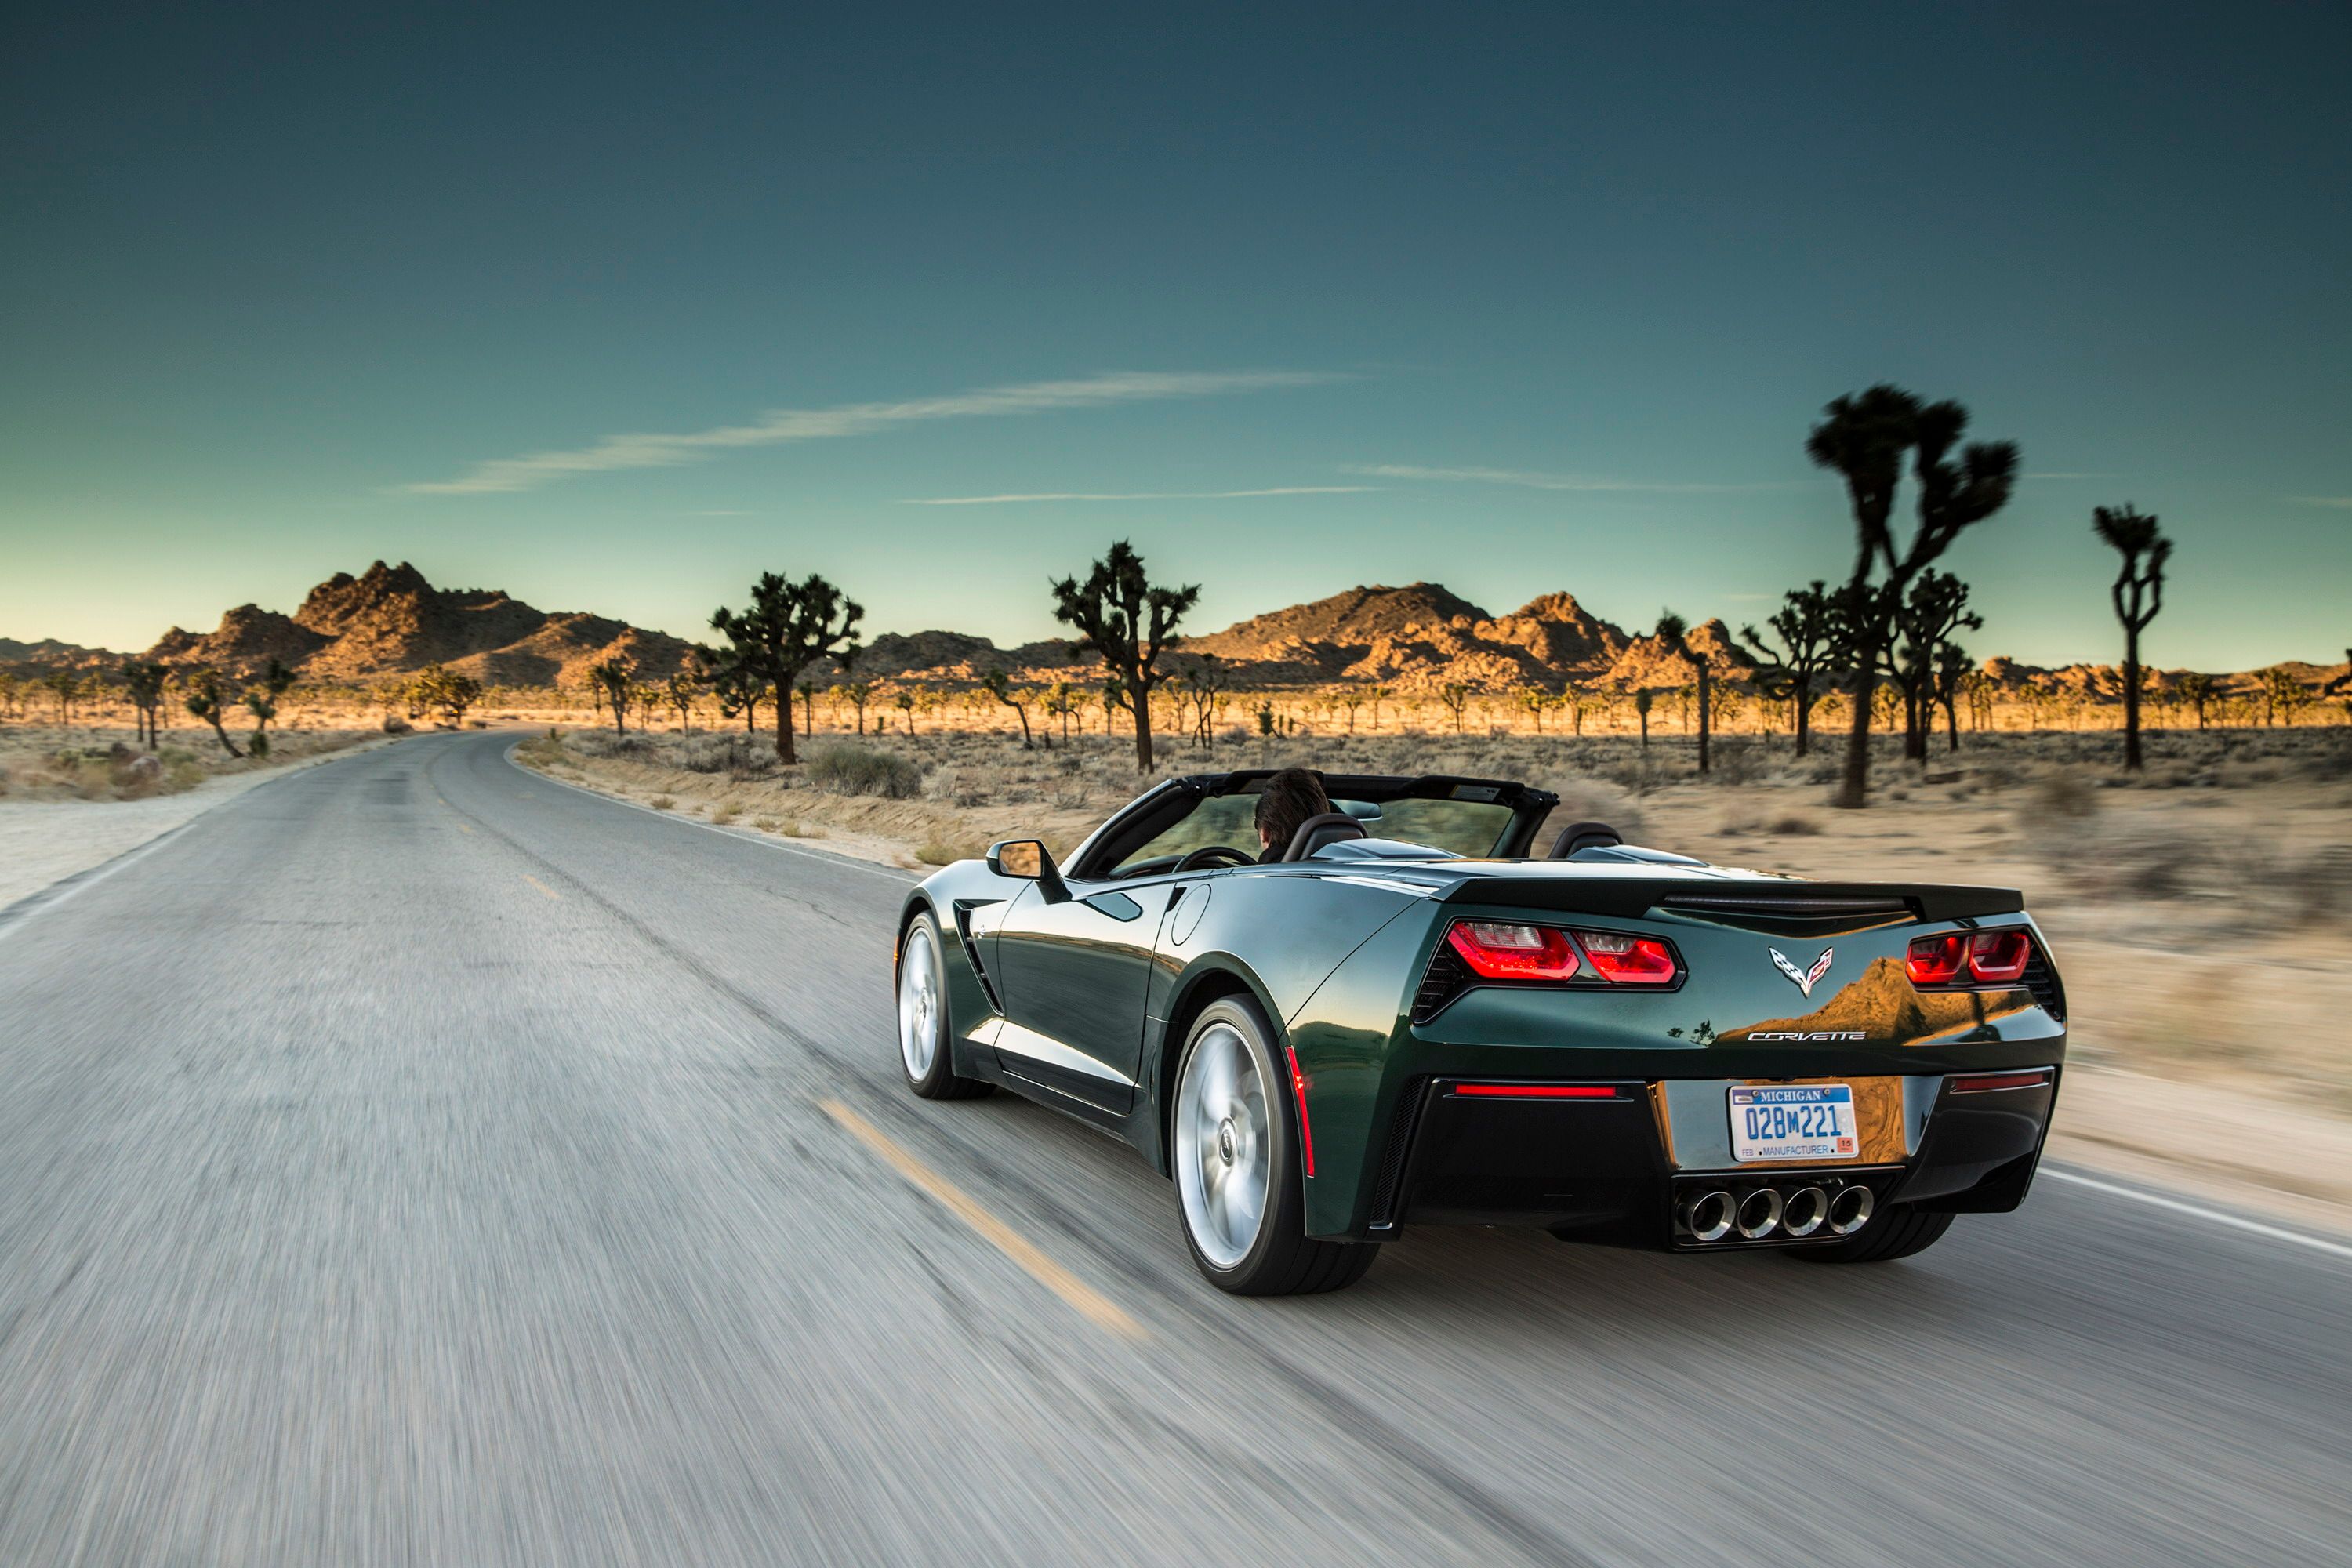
<point>1803,978</point>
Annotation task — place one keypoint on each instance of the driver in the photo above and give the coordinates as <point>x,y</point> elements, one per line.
<point>1289,799</point>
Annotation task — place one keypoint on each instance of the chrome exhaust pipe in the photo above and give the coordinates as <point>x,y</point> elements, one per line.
<point>1849,1210</point>
<point>1759,1213</point>
<point>1804,1212</point>
<point>1709,1216</point>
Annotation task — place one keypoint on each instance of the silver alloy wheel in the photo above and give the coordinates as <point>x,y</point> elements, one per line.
<point>919,1002</point>
<point>1223,1146</point>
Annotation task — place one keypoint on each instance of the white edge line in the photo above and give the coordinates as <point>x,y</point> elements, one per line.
<point>2218,1216</point>
<point>739,835</point>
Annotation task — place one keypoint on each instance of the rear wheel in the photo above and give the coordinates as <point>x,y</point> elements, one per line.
<point>1897,1233</point>
<point>1234,1147</point>
<point>923,1052</point>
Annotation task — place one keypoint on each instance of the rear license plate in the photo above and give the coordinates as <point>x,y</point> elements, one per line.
<point>1794,1122</point>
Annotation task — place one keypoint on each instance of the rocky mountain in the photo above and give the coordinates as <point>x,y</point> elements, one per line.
<point>1415,638</point>
<point>391,621</point>
<point>49,654</point>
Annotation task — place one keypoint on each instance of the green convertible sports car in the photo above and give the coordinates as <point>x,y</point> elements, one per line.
<point>1410,1016</point>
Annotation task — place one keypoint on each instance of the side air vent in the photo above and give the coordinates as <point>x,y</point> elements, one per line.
<point>2042,981</point>
<point>1392,1158</point>
<point>1781,914</point>
<point>1447,978</point>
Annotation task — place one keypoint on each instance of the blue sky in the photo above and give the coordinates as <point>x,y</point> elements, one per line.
<point>1517,298</point>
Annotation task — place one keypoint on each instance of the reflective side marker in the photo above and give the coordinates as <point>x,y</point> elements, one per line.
<point>1537,1090</point>
<point>1299,1088</point>
<point>1980,1083</point>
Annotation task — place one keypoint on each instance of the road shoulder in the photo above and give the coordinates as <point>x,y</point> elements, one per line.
<point>44,842</point>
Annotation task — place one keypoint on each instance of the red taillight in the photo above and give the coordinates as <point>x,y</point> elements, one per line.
<point>1970,958</point>
<point>1936,959</point>
<point>1537,1090</point>
<point>1628,960</point>
<point>1497,950</point>
<point>1998,957</point>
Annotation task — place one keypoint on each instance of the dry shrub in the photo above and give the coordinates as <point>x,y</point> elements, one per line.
<point>724,813</point>
<point>941,850</point>
<point>2064,795</point>
<point>661,803</point>
<point>1794,826</point>
<point>858,770</point>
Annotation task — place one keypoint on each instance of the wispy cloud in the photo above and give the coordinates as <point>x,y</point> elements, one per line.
<point>2322,501</point>
<point>612,454</point>
<point>1536,481</point>
<point>1143,495</point>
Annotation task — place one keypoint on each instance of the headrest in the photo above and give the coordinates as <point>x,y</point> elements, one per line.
<point>1578,835</point>
<point>1316,831</point>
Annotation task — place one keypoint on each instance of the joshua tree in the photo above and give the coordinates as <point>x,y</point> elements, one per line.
<point>2137,595</point>
<point>1349,698</point>
<point>1644,700</point>
<point>789,627</point>
<point>1806,625</point>
<point>2196,690</point>
<point>1211,682</point>
<point>2284,695</point>
<point>1535,698</point>
<point>807,689</point>
<point>261,702</point>
<point>64,686</point>
<point>144,683</point>
<point>999,685</point>
<point>208,699</point>
<point>1936,607</point>
<point>1456,696</point>
<point>616,678</point>
<point>1865,437</point>
<point>1127,623</point>
<point>1061,702</point>
<point>682,690</point>
<point>860,693</point>
<point>440,689</point>
<point>1673,637</point>
<point>1376,694</point>
<point>1952,674</point>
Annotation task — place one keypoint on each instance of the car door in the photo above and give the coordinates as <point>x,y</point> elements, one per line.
<point>1074,974</point>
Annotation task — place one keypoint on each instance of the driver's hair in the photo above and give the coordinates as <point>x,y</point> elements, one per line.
<point>1288,799</point>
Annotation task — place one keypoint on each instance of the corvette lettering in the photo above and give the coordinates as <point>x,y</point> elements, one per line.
<point>1810,1035</point>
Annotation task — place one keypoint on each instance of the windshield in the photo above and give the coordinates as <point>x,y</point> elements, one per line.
<point>1470,827</point>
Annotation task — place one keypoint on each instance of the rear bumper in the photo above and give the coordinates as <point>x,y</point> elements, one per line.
<point>1622,1168</point>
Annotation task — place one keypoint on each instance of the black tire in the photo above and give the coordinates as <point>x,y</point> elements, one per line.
<point>1897,1233</point>
<point>925,1056</point>
<point>1282,1259</point>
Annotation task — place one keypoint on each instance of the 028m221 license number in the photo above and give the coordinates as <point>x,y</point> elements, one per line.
<point>1794,1122</point>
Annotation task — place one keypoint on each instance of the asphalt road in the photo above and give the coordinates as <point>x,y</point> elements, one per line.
<point>417,1160</point>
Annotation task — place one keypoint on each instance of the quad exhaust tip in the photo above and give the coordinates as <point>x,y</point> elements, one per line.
<point>1804,1212</point>
<point>1709,1216</point>
<point>1759,1213</point>
<point>1850,1211</point>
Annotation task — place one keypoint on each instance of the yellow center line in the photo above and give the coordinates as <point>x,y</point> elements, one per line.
<point>542,886</point>
<point>1084,1298</point>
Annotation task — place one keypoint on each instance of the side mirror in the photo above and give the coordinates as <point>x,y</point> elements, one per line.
<point>1025,860</point>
